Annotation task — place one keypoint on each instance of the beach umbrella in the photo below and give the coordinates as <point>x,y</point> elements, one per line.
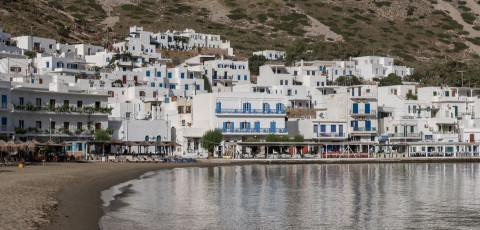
<point>2,143</point>
<point>30,145</point>
<point>20,146</point>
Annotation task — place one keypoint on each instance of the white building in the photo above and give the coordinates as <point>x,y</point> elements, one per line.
<point>271,54</point>
<point>37,44</point>
<point>378,67</point>
<point>226,73</point>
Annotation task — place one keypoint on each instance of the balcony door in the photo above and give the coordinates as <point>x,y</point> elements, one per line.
<point>273,126</point>
<point>368,125</point>
<point>367,108</point>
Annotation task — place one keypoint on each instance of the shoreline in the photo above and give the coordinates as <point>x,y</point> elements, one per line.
<point>79,205</point>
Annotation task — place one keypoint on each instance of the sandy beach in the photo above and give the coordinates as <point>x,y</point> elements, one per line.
<point>67,195</point>
<point>63,195</point>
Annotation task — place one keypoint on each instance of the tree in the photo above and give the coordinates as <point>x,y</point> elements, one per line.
<point>30,54</point>
<point>254,63</point>
<point>210,140</point>
<point>349,80</point>
<point>298,138</point>
<point>391,79</point>
<point>102,135</point>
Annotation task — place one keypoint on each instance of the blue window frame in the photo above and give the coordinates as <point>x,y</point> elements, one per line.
<point>159,74</point>
<point>133,47</point>
<point>257,126</point>
<point>169,75</point>
<point>191,76</point>
<point>143,60</point>
<point>4,121</point>
<point>152,84</point>
<point>295,73</point>
<point>336,72</point>
<point>238,77</point>
<point>4,101</point>
<point>333,128</point>
<point>315,128</point>
<point>182,75</point>
<point>281,82</point>
<point>323,128</point>
<point>368,125</point>
<point>355,108</point>
<point>147,73</point>
<point>167,100</point>
<point>160,85</point>
<point>186,87</point>
<point>367,108</point>
<point>320,68</point>
<point>147,138</point>
<point>197,87</point>
<point>172,86</point>
<point>245,77</point>
<point>48,64</point>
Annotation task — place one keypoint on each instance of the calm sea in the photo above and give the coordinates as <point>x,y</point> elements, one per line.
<point>354,196</point>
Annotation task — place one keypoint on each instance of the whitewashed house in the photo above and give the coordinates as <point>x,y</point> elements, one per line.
<point>271,54</point>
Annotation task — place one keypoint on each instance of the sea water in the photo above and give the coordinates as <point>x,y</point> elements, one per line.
<point>350,196</point>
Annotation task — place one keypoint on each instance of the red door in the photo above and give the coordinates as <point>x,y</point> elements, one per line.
<point>135,79</point>
<point>472,137</point>
<point>410,91</point>
<point>124,80</point>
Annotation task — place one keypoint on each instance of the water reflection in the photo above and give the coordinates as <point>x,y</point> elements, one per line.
<point>367,196</point>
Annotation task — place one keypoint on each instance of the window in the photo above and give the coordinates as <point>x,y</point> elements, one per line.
<point>159,74</point>
<point>323,128</point>
<point>160,85</point>
<point>66,125</point>
<point>38,101</point>
<point>434,93</point>
<point>191,75</point>
<point>4,121</point>
<point>79,104</point>
<point>142,93</point>
<point>15,69</point>
<point>147,73</point>
<point>333,128</point>
<point>188,109</point>
<point>295,73</point>
<point>38,124</point>
<point>79,125</point>
<point>368,90</point>
<point>281,82</point>
<point>152,84</point>
<point>447,93</point>
<point>245,77</point>
<point>21,101</point>
<point>66,102</point>
<point>172,86</point>
<point>98,125</point>
<point>238,77</point>
<point>180,109</point>
<point>186,87</point>
<point>197,87</point>
<point>21,124</point>
<point>183,122</point>
<point>52,102</point>
<point>4,101</point>
<point>308,72</point>
<point>52,125</point>
<point>313,73</point>
<point>169,75</point>
<point>182,75</point>
<point>47,64</point>
<point>286,82</point>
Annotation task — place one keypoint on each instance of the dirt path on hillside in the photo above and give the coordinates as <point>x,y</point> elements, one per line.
<point>456,15</point>
<point>108,6</point>
<point>472,4</point>
<point>217,11</point>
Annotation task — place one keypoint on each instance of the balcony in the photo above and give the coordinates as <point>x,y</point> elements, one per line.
<point>363,113</point>
<point>251,111</point>
<point>403,135</point>
<point>255,131</point>
<point>330,135</point>
<point>365,129</point>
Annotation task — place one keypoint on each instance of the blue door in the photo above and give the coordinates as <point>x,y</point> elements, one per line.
<point>219,107</point>
<point>224,127</point>
<point>257,126</point>
<point>273,127</point>
<point>232,127</point>
<point>248,126</point>
<point>355,108</point>
<point>368,125</point>
<point>266,108</point>
<point>367,108</point>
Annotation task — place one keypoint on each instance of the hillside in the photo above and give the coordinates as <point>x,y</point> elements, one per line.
<point>412,30</point>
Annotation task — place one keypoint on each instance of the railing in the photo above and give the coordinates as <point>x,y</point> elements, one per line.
<point>261,130</point>
<point>363,112</point>
<point>408,117</point>
<point>330,134</point>
<point>360,129</point>
<point>404,135</point>
<point>251,111</point>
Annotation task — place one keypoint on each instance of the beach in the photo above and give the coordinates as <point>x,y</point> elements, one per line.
<point>67,195</point>
<point>63,195</point>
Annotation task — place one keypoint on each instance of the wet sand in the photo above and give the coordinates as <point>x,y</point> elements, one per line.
<point>67,195</point>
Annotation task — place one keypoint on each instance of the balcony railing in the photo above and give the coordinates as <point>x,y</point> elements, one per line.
<point>365,129</point>
<point>363,112</point>
<point>252,111</point>
<point>261,130</point>
<point>330,134</point>
<point>416,135</point>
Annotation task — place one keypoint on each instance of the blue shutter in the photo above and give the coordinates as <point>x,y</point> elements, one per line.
<point>249,108</point>
<point>169,75</point>
<point>238,77</point>
<point>148,73</point>
<point>355,108</point>
<point>273,126</point>
<point>367,108</point>
<point>186,87</point>
<point>248,125</point>
<point>245,77</point>
<point>232,127</point>
<point>48,64</point>
<point>182,75</point>
<point>197,87</point>
<point>257,126</point>
<point>152,84</point>
<point>219,107</point>
<point>4,101</point>
<point>159,74</point>
<point>408,109</point>
<point>323,128</point>
<point>368,125</point>
<point>353,92</point>
<point>333,128</point>
<point>359,91</point>
<point>224,127</point>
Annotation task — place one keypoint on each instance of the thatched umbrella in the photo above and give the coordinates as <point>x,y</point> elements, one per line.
<point>2,143</point>
<point>20,146</point>
<point>145,144</point>
<point>30,145</point>
<point>130,144</point>
<point>10,146</point>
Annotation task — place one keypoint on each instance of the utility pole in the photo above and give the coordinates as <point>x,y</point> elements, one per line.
<point>462,71</point>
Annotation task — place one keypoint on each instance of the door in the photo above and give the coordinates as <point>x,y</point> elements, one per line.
<point>232,127</point>
<point>472,136</point>
<point>395,92</point>
<point>367,108</point>
<point>340,130</point>
<point>355,108</point>
<point>219,107</point>
<point>273,127</point>
<point>368,125</point>
<point>257,126</point>
<point>124,79</point>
